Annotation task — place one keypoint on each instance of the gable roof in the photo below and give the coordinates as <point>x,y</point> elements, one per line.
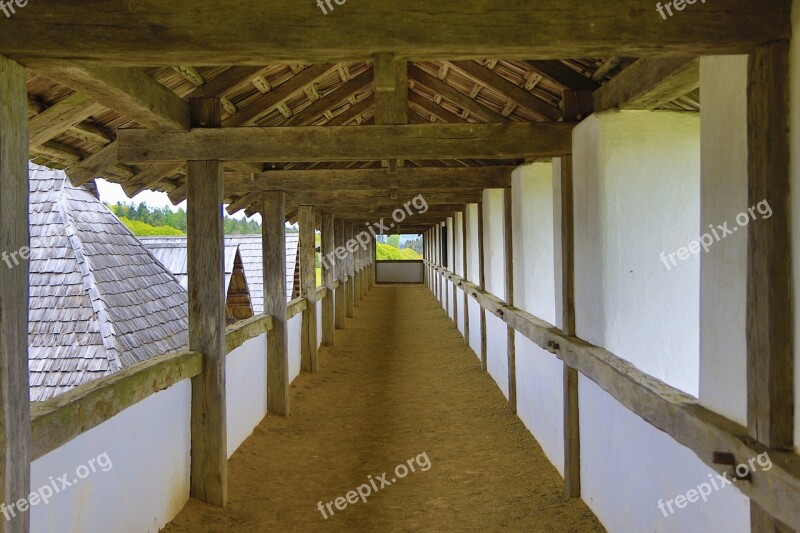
<point>99,301</point>
<point>253,259</point>
<point>172,252</point>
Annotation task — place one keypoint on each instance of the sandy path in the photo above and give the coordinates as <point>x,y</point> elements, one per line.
<point>399,383</point>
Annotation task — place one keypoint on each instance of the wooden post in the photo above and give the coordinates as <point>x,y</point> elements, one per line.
<point>464,237</point>
<point>273,242</point>
<point>15,417</point>
<point>328,274</point>
<point>309,356</point>
<point>453,269</point>
<point>351,272</point>
<point>341,272</point>
<point>482,283</point>
<point>565,258</point>
<point>770,357</point>
<point>508,241</point>
<point>205,246</point>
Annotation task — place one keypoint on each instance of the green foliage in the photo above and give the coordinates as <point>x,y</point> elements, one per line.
<point>165,217</point>
<point>393,240</point>
<point>143,229</point>
<point>387,252</point>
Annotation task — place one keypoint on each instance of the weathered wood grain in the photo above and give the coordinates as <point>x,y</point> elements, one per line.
<point>649,83</point>
<point>344,143</point>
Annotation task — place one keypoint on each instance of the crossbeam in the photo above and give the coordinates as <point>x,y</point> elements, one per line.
<point>223,32</point>
<point>343,143</point>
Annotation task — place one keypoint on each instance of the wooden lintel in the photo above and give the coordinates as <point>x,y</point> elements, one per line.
<point>649,83</point>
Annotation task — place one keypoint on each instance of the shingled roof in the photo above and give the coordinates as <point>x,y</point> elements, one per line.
<point>99,301</point>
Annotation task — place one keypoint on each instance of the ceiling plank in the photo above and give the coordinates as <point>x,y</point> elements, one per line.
<point>330,100</point>
<point>277,96</point>
<point>343,143</point>
<point>223,32</point>
<point>460,99</point>
<point>128,91</point>
<point>515,93</point>
<point>352,112</point>
<point>441,113</point>
<point>649,83</point>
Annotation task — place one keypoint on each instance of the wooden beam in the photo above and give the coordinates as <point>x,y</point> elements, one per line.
<point>649,83</point>
<point>342,143</point>
<point>309,356</point>
<point>515,93</point>
<point>273,242</point>
<point>60,117</point>
<point>462,100</point>
<point>15,417</point>
<point>464,259</point>
<point>565,262</point>
<point>341,274</point>
<point>94,166</point>
<point>563,75</point>
<point>769,280</point>
<point>391,94</point>
<point>205,245</point>
<point>328,275</point>
<point>129,91</point>
<point>770,340</point>
<point>482,283</point>
<point>421,180</point>
<point>351,273</point>
<point>216,34</point>
<point>435,109</point>
<point>508,241</point>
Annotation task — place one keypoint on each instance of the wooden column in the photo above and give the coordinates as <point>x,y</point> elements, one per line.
<point>273,242</point>
<point>351,272</point>
<point>770,357</point>
<point>453,269</point>
<point>309,357</point>
<point>464,237</point>
<point>565,259</point>
<point>205,245</point>
<point>328,275</point>
<point>341,273</point>
<point>15,417</point>
<point>482,277</point>
<point>508,241</point>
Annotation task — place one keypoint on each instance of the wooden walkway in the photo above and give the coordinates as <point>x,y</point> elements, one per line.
<point>400,386</point>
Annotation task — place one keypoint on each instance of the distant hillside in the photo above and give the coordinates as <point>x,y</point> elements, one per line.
<point>152,221</point>
<point>143,229</point>
<point>387,252</point>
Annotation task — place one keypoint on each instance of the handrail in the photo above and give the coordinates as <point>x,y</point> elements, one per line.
<point>244,330</point>
<point>295,307</point>
<point>59,420</point>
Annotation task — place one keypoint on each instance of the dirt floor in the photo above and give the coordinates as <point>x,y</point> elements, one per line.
<point>399,387</point>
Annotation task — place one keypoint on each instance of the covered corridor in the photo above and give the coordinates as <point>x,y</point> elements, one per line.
<point>400,382</point>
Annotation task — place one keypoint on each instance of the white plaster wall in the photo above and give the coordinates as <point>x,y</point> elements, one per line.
<point>497,351</point>
<point>473,253</point>
<point>723,271</point>
<point>458,249</point>
<point>460,308</point>
<point>246,390</point>
<point>493,247</point>
<point>627,466</point>
<point>449,300</point>
<point>637,194</point>
<point>147,485</point>
<point>539,374</point>
<point>294,331</point>
<point>540,397</point>
<point>532,211</point>
<point>795,173</point>
<point>408,272</point>
<point>319,323</point>
<point>475,327</point>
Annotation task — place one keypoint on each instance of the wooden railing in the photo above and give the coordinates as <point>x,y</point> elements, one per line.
<point>664,407</point>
